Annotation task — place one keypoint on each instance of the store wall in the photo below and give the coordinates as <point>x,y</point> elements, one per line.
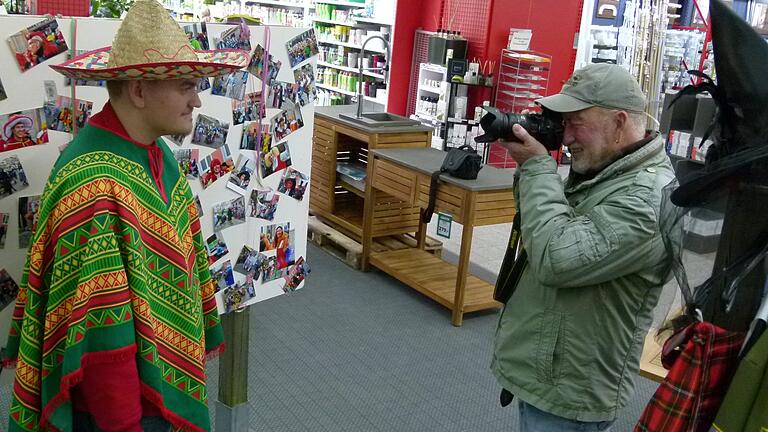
<point>554,24</point>
<point>410,15</point>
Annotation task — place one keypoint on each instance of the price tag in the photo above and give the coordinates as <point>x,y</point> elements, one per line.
<point>444,222</point>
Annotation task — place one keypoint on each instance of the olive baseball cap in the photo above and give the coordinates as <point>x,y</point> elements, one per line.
<point>600,84</point>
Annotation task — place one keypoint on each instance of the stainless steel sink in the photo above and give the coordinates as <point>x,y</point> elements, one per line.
<point>380,120</point>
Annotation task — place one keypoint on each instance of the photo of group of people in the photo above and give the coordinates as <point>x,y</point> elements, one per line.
<point>287,121</point>
<point>278,238</point>
<point>60,114</point>
<point>263,204</point>
<point>215,165</point>
<point>198,35</point>
<point>23,129</point>
<point>28,207</point>
<point>249,261</point>
<point>237,37</point>
<point>305,79</point>
<point>247,109</point>
<point>270,271</point>
<point>228,213</point>
<point>302,47</point>
<point>37,43</point>
<point>12,176</point>
<point>203,85</point>
<point>235,296</point>
<point>216,247</point>
<point>250,139</point>
<point>209,131</point>
<point>274,160</point>
<point>231,85</point>
<point>294,184</point>
<point>8,289</point>
<point>222,275</point>
<point>242,174</point>
<point>256,66</point>
<point>187,159</point>
<point>296,275</point>
<point>4,218</point>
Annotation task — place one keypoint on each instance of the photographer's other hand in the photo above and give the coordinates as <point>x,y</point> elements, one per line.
<point>524,149</point>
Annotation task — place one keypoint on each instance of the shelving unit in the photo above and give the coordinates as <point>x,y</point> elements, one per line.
<point>348,24</point>
<point>430,73</point>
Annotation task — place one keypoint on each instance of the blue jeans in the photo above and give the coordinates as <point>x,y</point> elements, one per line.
<point>533,419</point>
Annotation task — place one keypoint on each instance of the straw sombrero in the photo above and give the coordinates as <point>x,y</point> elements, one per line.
<point>150,45</point>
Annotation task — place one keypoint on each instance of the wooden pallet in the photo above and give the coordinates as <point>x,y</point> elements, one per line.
<point>350,251</point>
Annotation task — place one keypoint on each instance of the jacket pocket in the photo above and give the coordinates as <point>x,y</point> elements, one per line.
<point>550,345</point>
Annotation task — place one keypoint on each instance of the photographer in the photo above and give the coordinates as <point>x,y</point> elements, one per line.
<point>569,339</point>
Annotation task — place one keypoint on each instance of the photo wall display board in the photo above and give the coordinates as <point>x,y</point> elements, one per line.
<point>29,90</point>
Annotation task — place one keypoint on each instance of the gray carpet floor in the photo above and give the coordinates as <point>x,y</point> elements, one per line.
<point>356,351</point>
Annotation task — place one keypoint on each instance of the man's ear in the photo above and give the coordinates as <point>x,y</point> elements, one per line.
<point>621,119</point>
<point>136,92</point>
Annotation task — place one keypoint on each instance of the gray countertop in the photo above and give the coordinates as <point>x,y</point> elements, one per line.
<point>428,160</point>
<point>332,113</point>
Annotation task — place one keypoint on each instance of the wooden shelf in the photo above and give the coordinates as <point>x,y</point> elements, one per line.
<point>346,186</point>
<point>434,278</point>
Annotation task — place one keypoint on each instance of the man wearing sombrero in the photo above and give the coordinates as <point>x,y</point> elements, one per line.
<point>17,132</point>
<point>116,310</point>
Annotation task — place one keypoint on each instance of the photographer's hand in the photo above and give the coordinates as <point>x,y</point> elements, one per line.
<point>524,149</point>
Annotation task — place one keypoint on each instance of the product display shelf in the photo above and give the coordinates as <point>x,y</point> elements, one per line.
<point>351,45</point>
<point>278,3</point>
<point>343,3</point>
<point>431,100</point>
<point>328,21</point>
<point>336,89</point>
<point>349,69</point>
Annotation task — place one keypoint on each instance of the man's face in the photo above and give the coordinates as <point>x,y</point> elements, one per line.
<point>34,45</point>
<point>19,131</point>
<point>592,137</point>
<point>169,105</point>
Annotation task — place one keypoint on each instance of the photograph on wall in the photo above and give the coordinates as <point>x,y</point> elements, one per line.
<point>12,176</point>
<point>269,270</point>
<point>176,139</point>
<point>222,275</point>
<point>236,37</point>
<point>235,296</point>
<point>187,159</point>
<point>228,213</point>
<point>216,247</point>
<point>81,82</point>
<point>281,93</point>
<point>287,121</point>
<point>4,218</point>
<point>215,165</point>
<point>8,289</point>
<point>263,204</point>
<point>302,47</point>
<point>274,160</point>
<point>247,109</point>
<point>198,35</point>
<point>251,136</point>
<point>203,85</point>
<point>294,184</point>
<point>209,131</point>
<point>256,66</point>
<point>199,206</point>
<point>28,208</point>
<point>23,129</point>
<point>249,261</point>
<point>241,175</point>
<point>305,79</point>
<point>231,85</point>
<point>62,113</point>
<point>3,94</point>
<point>37,43</point>
<point>296,275</point>
<point>278,238</point>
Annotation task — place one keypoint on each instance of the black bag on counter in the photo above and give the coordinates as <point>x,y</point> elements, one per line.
<point>463,163</point>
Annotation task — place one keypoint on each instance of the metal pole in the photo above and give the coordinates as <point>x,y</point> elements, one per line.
<point>232,409</point>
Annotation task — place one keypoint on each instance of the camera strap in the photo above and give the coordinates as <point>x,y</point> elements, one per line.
<point>515,260</point>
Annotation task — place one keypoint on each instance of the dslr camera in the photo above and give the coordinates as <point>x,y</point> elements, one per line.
<point>546,127</point>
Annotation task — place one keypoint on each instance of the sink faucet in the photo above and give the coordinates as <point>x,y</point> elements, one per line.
<point>385,69</point>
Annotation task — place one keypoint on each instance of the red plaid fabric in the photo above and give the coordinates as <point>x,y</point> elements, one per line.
<point>688,399</point>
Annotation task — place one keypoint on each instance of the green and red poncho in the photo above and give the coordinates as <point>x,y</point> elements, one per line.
<point>116,310</point>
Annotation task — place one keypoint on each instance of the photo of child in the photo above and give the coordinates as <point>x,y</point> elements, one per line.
<point>215,165</point>
<point>294,184</point>
<point>37,43</point>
